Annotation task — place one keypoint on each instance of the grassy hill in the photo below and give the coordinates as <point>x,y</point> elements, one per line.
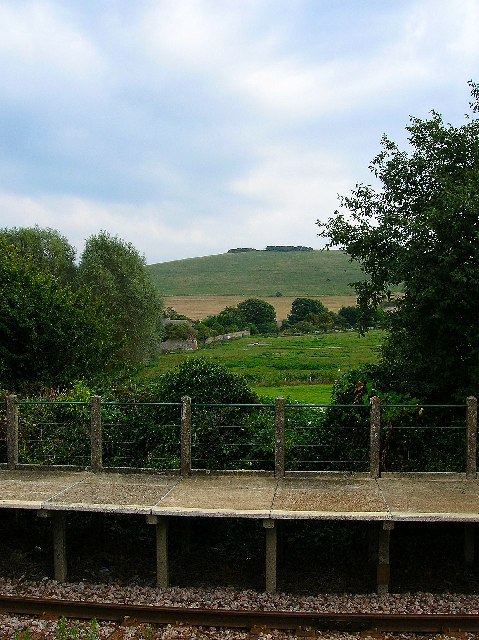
<point>258,274</point>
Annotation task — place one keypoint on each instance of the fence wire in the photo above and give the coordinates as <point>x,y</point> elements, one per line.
<point>317,437</point>
<point>233,437</point>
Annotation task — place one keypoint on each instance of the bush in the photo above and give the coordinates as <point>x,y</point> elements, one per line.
<point>180,331</point>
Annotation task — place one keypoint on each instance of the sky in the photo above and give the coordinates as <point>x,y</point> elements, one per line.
<point>189,127</point>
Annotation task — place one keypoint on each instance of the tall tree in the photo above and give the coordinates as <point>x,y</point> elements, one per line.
<point>48,249</point>
<point>421,228</point>
<point>48,333</point>
<point>117,275</point>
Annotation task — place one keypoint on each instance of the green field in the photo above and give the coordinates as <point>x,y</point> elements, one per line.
<point>304,393</point>
<point>259,273</point>
<point>301,367</point>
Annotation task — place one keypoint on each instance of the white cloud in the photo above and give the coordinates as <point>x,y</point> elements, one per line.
<point>38,35</point>
<point>190,126</point>
<point>214,40</point>
<point>153,229</point>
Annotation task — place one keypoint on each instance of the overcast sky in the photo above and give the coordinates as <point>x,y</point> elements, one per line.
<point>189,127</point>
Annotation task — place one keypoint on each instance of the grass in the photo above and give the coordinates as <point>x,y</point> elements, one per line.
<point>304,393</point>
<point>259,274</point>
<point>302,367</point>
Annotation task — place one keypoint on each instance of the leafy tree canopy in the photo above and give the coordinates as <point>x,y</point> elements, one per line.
<point>48,333</point>
<point>258,312</point>
<point>49,250</point>
<point>301,307</point>
<point>204,381</point>
<point>421,228</point>
<point>118,277</point>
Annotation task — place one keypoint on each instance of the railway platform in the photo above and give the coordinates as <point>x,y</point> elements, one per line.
<point>385,500</point>
<point>377,498</point>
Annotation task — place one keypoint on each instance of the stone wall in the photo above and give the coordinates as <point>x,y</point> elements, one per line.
<point>228,336</point>
<point>181,345</point>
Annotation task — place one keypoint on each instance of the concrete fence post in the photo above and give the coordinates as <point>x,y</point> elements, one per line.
<point>374,437</point>
<point>12,432</point>
<point>279,419</point>
<point>471,438</point>
<point>186,436</point>
<point>95,434</point>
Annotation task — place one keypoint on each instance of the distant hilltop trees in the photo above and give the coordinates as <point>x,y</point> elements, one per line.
<point>283,248</point>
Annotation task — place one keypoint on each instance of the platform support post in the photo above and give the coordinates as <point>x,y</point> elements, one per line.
<point>271,554</point>
<point>59,546</point>
<point>374,437</point>
<point>279,419</point>
<point>58,519</point>
<point>186,436</point>
<point>95,433</point>
<point>469,543</point>
<point>383,558</point>
<point>161,524</point>
<point>12,432</point>
<point>471,438</point>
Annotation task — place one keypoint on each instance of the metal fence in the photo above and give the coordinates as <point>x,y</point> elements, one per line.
<point>277,437</point>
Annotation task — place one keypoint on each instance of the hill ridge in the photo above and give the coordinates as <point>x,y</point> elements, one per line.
<point>259,274</point>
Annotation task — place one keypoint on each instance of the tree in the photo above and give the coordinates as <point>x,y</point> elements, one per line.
<point>48,333</point>
<point>49,250</point>
<point>421,228</point>
<point>227,321</point>
<point>118,277</point>
<point>180,331</point>
<point>301,307</point>
<point>260,313</point>
<point>204,381</point>
<point>348,316</point>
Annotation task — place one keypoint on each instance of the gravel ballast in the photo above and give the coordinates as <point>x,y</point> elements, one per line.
<point>224,598</point>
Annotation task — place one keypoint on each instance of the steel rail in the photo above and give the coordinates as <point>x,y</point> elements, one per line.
<point>429,623</point>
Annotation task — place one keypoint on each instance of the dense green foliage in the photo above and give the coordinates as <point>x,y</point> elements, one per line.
<point>49,250</point>
<point>48,333</point>
<point>349,316</point>
<point>258,274</point>
<point>58,321</point>
<point>259,313</point>
<point>116,273</point>
<point>204,381</point>
<point>421,229</point>
<point>305,311</point>
<point>256,315</point>
<point>180,331</point>
<point>413,437</point>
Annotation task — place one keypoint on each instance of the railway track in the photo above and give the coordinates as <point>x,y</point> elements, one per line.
<point>240,619</point>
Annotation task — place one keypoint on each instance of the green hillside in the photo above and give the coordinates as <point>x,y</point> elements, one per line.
<point>259,273</point>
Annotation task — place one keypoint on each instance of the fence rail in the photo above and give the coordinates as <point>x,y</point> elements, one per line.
<point>192,438</point>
